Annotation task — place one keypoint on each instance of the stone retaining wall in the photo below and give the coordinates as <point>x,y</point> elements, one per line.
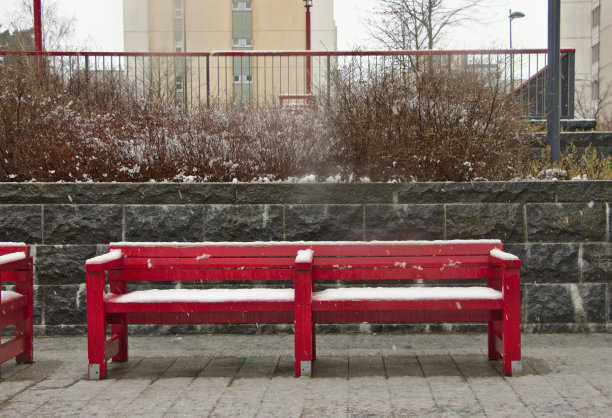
<point>561,231</point>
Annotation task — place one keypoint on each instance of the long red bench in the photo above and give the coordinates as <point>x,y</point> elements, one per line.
<point>16,306</point>
<point>185,264</point>
<point>497,302</point>
<point>428,264</point>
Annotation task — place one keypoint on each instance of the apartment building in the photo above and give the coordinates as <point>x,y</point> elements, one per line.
<point>218,25</point>
<point>586,25</point>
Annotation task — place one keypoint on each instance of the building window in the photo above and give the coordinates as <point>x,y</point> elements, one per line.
<point>243,79</point>
<point>178,46</point>
<point>595,53</point>
<point>596,17</point>
<point>242,42</point>
<point>595,90</point>
<point>239,6</point>
<point>178,9</point>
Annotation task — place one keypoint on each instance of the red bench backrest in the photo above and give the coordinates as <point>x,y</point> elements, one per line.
<point>404,260</point>
<point>332,260</point>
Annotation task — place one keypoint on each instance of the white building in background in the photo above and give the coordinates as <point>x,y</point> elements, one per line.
<point>586,25</point>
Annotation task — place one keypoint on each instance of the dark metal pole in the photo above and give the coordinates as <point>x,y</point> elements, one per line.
<point>554,78</point>
<point>38,42</point>
<point>308,46</point>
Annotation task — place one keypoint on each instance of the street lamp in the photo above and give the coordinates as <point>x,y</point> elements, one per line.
<point>308,5</point>
<point>513,15</point>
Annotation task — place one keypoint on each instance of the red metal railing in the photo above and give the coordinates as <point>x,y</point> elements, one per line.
<point>294,77</point>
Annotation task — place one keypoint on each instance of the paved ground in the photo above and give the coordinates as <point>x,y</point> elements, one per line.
<point>357,375</point>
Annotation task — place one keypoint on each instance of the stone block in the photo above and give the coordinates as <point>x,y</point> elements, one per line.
<point>164,223</point>
<point>547,263</point>
<point>316,193</point>
<point>62,264</point>
<point>65,305</point>
<point>566,222</point>
<point>21,223</point>
<point>244,223</point>
<point>156,193</point>
<point>37,193</point>
<point>597,262</point>
<point>584,191</point>
<point>118,193</point>
<point>404,222</point>
<point>476,192</point>
<point>566,303</point>
<point>549,303</point>
<point>593,299</point>
<point>479,221</point>
<point>324,223</point>
<point>82,224</point>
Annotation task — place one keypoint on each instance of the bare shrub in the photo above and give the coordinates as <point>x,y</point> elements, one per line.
<point>429,126</point>
<point>81,128</point>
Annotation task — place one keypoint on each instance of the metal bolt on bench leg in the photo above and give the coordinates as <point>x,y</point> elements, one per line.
<point>517,367</point>
<point>305,368</point>
<point>94,372</point>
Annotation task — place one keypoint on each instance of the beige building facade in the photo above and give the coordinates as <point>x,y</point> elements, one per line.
<point>161,26</point>
<point>586,25</point>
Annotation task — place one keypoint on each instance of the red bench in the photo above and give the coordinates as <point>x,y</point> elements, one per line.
<point>138,262</point>
<point>497,303</point>
<point>304,263</point>
<point>16,306</point>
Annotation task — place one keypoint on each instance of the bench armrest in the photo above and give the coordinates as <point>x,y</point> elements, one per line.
<point>13,261</point>
<point>505,260</point>
<point>304,260</point>
<point>112,259</point>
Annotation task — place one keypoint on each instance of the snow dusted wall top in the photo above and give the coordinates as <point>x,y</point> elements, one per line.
<point>560,230</point>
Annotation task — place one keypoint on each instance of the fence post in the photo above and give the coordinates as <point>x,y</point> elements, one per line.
<point>554,79</point>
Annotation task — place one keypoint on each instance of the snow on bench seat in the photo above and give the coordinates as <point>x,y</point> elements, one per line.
<point>7,295</point>
<point>203,296</point>
<point>9,258</point>
<point>409,293</point>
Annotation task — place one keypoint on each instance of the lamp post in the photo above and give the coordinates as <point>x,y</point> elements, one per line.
<point>511,16</point>
<point>308,5</point>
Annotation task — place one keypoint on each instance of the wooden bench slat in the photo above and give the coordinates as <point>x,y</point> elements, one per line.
<point>407,293</point>
<point>407,305</point>
<point>206,275</point>
<point>202,296</point>
<point>258,306</point>
<point>284,315</point>
<point>454,273</point>
<point>208,263</point>
<point>289,249</point>
<point>401,262</point>
<point>405,316</point>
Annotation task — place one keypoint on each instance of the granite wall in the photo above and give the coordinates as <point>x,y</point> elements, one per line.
<point>560,230</point>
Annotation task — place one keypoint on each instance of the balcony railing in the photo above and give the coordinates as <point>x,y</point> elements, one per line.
<point>294,78</point>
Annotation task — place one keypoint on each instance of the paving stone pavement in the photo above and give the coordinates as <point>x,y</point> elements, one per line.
<point>357,375</point>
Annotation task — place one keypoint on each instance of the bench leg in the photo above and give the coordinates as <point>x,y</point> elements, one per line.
<point>25,328</point>
<point>314,342</point>
<point>96,325</point>
<point>494,333</point>
<point>119,329</point>
<point>303,324</point>
<point>512,322</point>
